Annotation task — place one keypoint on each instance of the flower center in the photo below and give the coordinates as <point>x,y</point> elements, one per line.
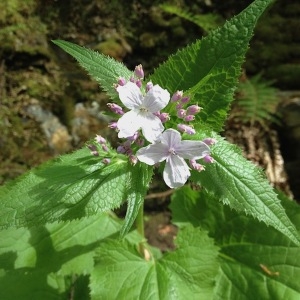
<point>172,151</point>
<point>143,110</point>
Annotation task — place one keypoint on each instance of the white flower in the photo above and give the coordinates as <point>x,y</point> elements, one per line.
<point>141,111</point>
<point>171,148</point>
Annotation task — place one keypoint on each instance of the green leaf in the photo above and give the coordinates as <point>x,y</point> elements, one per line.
<point>138,186</point>
<point>34,262</point>
<point>187,273</point>
<point>73,186</point>
<point>219,56</point>
<point>103,69</point>
<point>240,184</point>
<point>257,262</point>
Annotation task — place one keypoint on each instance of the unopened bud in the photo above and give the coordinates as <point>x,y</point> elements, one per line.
<point>149,86</point>
<point>115,108</point>
<point>139,72</point>
<point>121,81</point>
<point>104,148</point>
<point>138,83</point>
<point>113,125</point>
<point>181,113</point>
<point>186,129</point>
<point>133,159</point>
<point>92,147</point>
<point>209,141</point>
<point>189,118</point>
<point>106,161</point>
<point>196,166</point>
<point>100,139</point>
<point>185,100</point>
<point>164,117</point>
<point>193,109</point>
<point>176,96</point>
<point>208,159</point>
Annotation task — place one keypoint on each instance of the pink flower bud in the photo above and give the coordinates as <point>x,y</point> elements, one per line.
<point>186,129</point>
<point>176,96</point>
<point>196,166</point>
<point>208,159</point>
<point>104,148</point>
<point>193,109</point>
<point>95,153</point>
<point>189,118</point>
<point>106,161</point>
<point>121,149</point>
<point>134,137</point>
<point>92,147</point>
<point>139,72</point>
<point>185,100</point>
<point>100,139</point>
<point>113,125</point>
<point>179,106</point>
<point>164,117</point>
<point>209,141</point>
<point>181,113</point>
<point>138,83</point>
<point>133,159</point>
<point>115,108</point>
<point>121,81</point>
<point>149,86</point>
<point>140,141</point>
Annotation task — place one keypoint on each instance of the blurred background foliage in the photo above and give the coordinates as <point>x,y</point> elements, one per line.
<point>49,106</point>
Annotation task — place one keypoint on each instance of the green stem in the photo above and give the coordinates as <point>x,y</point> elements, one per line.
<point>140,228</point>
<point>140,221</point>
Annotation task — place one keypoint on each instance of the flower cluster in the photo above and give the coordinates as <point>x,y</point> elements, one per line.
<point>144,121</point>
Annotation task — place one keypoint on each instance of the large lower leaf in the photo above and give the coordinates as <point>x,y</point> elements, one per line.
<point>187,273</point>
<point>216,60</point>
<point>239,183</point>
<point>73,186</point>
<point>34,263</point>
<point>257,262</point>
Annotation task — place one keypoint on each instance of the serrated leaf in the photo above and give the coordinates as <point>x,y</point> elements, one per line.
<point>218,55</point>
<point>257,262</point>
<point>138,185</point>
<point>105,70</point>
<point>34,263</point>
<point>238,183</point>
<point>187,273</point>
<point>73,186</point>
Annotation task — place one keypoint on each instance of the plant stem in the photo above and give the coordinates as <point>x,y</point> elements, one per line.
<point>140,228</point>
<point>140,221</point>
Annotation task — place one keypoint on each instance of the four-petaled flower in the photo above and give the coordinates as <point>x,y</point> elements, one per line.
<point>171,148</point>
<point>142,109</point>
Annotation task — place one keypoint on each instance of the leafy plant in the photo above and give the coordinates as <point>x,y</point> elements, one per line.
<point>60,239</point>
<point>257,101</point>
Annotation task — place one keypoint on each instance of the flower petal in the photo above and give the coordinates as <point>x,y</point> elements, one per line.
<point>192,149</point>
<point>130,95</point>
<point>128,124</point>
<point>171,137</point>
<point>176,172</point>
<point>156,99</point>
<point>152,154</point>
<point>151,127</point>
